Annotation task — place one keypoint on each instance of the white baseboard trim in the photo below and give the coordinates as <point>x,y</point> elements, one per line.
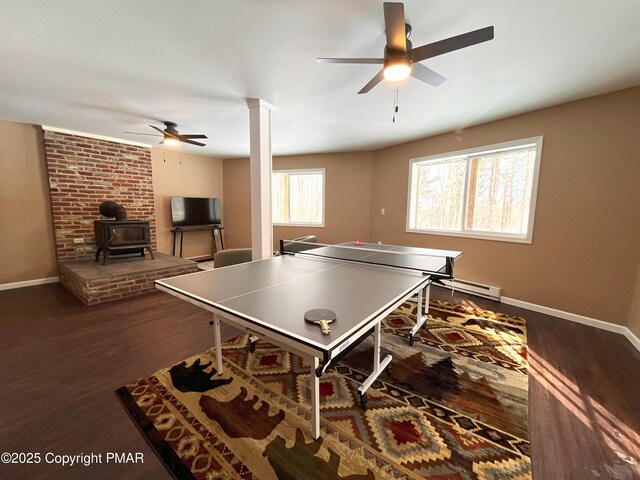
<point>573,317</point>
<point>29,283</point>
<point>635,341</point>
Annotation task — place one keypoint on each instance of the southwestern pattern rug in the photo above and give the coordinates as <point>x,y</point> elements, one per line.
<point>452,407</point>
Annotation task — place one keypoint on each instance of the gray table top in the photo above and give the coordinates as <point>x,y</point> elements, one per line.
<point>276,292</point>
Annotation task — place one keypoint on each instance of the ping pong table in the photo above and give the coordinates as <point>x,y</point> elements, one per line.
<point>361,282</point>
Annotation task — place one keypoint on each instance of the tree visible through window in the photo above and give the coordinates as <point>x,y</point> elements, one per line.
<point>298,197</point>
<point>486,192</point>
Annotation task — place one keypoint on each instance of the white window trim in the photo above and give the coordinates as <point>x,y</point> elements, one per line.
<point>324,196</point>
<point>502,237</point>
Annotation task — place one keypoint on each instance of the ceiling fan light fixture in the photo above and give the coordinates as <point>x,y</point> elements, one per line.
<point>170,141</point>
<point>397,69</point>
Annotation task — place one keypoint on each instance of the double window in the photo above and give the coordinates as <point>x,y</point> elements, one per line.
<point>485,192</point>
<point>298,197</point>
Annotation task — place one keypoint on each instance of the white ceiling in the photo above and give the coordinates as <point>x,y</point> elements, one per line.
<point>106,67</point>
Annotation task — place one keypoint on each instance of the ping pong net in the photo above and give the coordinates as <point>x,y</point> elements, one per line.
<point>437,263</point>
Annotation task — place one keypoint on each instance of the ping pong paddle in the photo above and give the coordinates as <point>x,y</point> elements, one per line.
<point>358,243</point>
<point>322,317</point>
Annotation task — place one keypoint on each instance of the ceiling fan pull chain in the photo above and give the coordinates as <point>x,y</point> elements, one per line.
<point>395,105</point>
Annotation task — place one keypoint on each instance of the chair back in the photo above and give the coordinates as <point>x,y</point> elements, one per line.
<point>231,256</point>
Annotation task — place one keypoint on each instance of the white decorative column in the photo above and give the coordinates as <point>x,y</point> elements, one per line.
<point>260,163</point>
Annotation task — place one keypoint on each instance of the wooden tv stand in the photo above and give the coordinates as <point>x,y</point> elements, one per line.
<point>196,228</point>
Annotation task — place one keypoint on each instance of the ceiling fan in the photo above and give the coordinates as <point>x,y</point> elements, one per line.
<point>171,136</point>
<point>401,59</point>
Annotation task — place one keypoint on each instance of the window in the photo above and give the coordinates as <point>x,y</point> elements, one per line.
<point>298,197</point>
<point>486,192</point>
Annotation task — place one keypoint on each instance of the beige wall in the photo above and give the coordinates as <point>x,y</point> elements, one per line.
<point>184,175</point>
<point>347,198</point>
<point>237,204</point>
<point>27,249</point>
<point>586,243</point>
<point>634,311</point>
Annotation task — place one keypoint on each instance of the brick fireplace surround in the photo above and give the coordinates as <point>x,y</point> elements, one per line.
<point>83,173</point>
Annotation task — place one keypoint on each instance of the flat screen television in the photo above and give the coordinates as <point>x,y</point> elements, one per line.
<point>190,211</point>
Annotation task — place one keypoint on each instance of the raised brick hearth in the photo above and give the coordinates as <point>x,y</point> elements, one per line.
<point>95,283</point>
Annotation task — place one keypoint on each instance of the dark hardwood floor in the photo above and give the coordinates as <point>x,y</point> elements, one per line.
<point>61,361</point>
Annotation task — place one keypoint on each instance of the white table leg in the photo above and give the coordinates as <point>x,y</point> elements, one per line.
<point>427,297</point>
<point>378,366</point>
<point>376,347</point>
<point>421,314</point>
<point>218,343</point>
<point>315,398</point>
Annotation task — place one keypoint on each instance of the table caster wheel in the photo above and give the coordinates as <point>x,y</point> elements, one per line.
<point>252,347</point>
<point>363,400</point>
<point>411,340</point>
<point>388,369</point>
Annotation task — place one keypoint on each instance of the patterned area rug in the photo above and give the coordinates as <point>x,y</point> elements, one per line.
<point>453,407</point>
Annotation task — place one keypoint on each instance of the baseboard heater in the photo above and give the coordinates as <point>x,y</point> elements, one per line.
<point>472,288</point>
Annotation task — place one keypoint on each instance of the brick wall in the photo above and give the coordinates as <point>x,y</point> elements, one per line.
<point>83,173</point>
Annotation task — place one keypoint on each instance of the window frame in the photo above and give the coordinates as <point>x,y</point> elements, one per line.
<point>467,154</point>
<point>298,171</point>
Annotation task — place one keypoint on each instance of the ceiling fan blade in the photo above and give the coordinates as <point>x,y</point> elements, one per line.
<point>373,82</point>
<point>426,75</point>
<point>394,27</point>
<point>351,60</point>
<point>191,135</point>
<point>161,131</point>
<point>192,142</point>
<point>450,44</point>
<point>149,134</point>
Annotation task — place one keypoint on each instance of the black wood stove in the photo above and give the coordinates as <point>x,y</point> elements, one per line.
<point>120,236</point>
